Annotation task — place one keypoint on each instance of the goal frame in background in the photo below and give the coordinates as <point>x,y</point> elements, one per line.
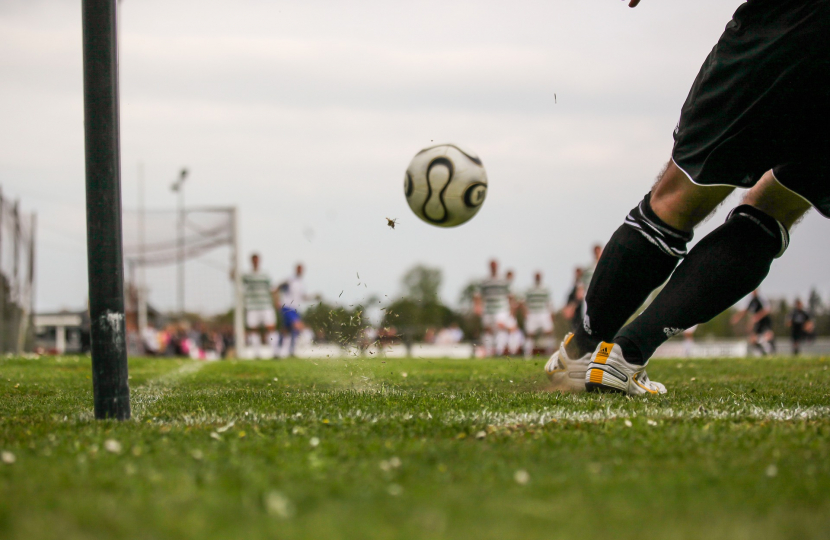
<point>176,250</point>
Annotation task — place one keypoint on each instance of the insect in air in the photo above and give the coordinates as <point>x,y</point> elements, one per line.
<point>391,222</point>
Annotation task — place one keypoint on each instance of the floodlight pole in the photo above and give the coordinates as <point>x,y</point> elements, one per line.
<point>142,275</point>
<point>178,187</point>
<point>103,210</point>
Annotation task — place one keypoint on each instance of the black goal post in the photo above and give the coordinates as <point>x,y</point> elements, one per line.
<point>103,211</point>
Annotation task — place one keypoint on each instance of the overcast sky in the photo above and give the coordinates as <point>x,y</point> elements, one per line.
<point>305,115</point>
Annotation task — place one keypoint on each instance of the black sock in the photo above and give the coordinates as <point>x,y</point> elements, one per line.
<point>720,270</point>
<point>639,257</point>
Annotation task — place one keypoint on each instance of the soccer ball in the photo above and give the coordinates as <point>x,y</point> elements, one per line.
<point>445,185</point>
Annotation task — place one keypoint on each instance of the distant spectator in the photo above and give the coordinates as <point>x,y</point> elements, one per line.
<point>450,335</point>
<point>150,341</point>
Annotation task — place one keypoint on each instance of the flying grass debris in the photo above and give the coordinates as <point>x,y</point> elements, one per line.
<point>112,446</point>
<point>521,477</point>
<point>278,505</point>
<point>225,428</point>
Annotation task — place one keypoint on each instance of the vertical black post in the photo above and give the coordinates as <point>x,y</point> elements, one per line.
<point>103,211</point>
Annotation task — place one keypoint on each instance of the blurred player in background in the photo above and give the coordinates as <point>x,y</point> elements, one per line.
<point>291,296</point>
<point>800,324</point>
<point>258,300</point>
<point>492,303</point>
<point>761,334</point>
<point>588,272</point>
<point>515,336</point>
<point>538,317</point>
<point>574,309</point>
<point>689,341</point>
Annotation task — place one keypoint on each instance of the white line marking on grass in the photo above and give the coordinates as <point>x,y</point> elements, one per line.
<point>505,418</point>
<point>155,389</point>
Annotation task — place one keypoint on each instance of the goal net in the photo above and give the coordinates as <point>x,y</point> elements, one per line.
<point>181,264</point>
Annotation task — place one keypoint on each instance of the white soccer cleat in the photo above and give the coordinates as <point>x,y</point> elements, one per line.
<point>609,372</point>
<point>566,374</point>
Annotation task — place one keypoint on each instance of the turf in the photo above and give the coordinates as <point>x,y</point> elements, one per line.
<point>366,448</point>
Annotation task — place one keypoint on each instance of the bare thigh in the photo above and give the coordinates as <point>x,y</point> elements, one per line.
<point>777,201</point>
<point>683,204</point>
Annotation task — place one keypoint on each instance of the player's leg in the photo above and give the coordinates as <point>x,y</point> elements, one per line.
<point>754,346</point>
<point>273,338</point>
<point>642,254</point>
<point>268,319</point>
<point>796,340</point>
<point>532,330</point>
<point>547,340</point>
<point>770,337</point>
<point>252,325</point>
<point>286,335</point>
<point>296,327</point>
<point>502,324</point>
<point>488,335</point>
<point>729,263</point>
<point>515,341</point>
<point>488,342</point>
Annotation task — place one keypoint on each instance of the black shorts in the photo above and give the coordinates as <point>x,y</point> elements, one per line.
<point>799,335</point>
<point>762,326</point>
<point>761,101</point>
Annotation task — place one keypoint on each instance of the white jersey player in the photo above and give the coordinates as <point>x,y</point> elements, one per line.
<point>492,302</point>
<point>259,306</point>
<point>515,336</point>
<point>538,316</point>
<point>292,295</point>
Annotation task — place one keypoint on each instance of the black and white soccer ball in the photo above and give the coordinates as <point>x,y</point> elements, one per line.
<point>445,185</point>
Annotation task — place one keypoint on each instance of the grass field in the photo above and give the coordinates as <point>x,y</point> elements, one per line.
<point>362,448</point>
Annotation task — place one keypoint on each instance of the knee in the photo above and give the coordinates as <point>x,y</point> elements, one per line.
<point>773,199</point>
<point>683,204</point>
<point>776,231</point>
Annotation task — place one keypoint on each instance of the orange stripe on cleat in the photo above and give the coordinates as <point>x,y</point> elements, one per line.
<point>604,351</point>
<point>641,385</point>
<point>596,376</point>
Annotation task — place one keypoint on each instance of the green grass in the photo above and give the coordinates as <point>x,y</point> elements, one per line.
<point>364,449</point>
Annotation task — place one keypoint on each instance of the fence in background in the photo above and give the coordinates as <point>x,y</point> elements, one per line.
<point>17,276</point>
